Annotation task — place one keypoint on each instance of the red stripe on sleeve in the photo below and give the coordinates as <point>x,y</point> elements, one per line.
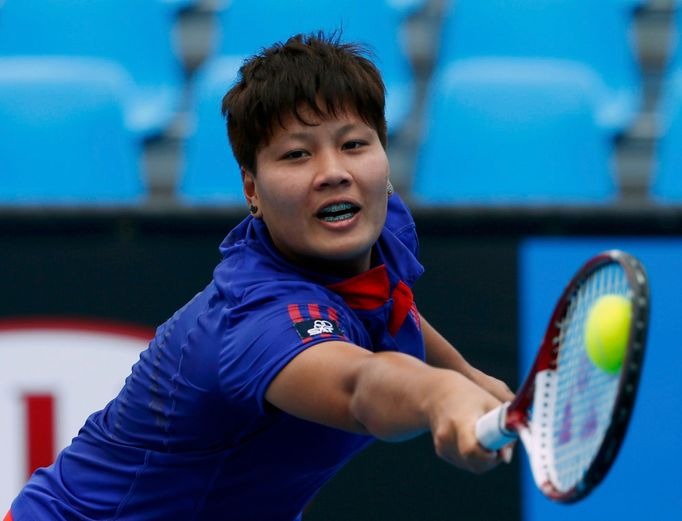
<point>332,314</point>
<point>8,517</point>
<point>295,313</point>
<point>314,311</point>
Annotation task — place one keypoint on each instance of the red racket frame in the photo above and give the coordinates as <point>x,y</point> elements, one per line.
<point>517,415</point>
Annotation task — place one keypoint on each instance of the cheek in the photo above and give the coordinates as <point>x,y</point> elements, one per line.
<point>375,173</point>
<point>382,168</point>
<point>283,197</point>
<point>382,177</point>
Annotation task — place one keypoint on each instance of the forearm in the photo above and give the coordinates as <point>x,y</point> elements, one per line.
<point>397,397</point>
<point>390,395</point>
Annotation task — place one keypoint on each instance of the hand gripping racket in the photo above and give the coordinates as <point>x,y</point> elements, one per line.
<point>570,415</point>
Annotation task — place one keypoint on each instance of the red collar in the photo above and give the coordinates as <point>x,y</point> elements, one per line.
<point>371,289</point>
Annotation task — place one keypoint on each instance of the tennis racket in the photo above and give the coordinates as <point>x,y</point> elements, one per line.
<point>570,415</point>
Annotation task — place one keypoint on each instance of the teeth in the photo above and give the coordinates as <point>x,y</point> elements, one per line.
<point>334,218</point>
<point>337,207</point>
<point>337,212</point>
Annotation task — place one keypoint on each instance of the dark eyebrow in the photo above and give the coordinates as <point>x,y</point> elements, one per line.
<point>308,136</point>
<point>350,127</point>
<point>303,136</point>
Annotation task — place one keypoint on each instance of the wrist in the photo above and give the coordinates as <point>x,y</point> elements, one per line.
<point>444,398</point>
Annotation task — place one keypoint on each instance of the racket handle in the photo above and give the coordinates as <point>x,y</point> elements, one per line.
<point>490,430</point>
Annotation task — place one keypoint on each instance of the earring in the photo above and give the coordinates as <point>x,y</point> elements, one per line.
<point>389,188</point>
<point>252,208</point>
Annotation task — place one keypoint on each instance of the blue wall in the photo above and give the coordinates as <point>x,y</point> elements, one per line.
<point>645,481</point>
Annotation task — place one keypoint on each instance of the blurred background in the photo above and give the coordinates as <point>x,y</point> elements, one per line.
<point>526,135</point>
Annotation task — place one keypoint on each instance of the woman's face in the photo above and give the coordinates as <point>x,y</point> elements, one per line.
<point>321,191</point>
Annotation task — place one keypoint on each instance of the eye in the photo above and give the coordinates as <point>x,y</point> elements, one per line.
<point>353,144</point>
<point>294,154</point>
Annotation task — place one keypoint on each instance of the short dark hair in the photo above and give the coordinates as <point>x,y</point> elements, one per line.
<point>308,70</point>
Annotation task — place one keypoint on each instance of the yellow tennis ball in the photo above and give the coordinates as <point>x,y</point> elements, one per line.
<point>607,330</point>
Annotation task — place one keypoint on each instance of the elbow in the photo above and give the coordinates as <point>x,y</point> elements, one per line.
<point>358,414</point>
<point>378,421</point>
<point>365,415</point>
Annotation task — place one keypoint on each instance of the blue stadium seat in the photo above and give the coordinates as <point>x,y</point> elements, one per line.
<point>247,26</point>
<point>510,132</point>
<point>210,174</point>
<point>63,136</point>
<point>594,33</point>
<point>667,182</point>
<point>134,35</point>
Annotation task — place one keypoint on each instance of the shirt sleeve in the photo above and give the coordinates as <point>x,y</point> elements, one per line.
<point>265,334</point>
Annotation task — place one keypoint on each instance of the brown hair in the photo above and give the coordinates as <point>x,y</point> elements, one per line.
<point>311,70</point>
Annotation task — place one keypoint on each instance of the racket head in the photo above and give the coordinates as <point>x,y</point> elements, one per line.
<point>571,415</point>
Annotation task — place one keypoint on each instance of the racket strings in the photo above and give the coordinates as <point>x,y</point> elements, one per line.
<point>585,395</point>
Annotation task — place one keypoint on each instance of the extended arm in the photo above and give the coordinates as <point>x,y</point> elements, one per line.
<point>389,395</point>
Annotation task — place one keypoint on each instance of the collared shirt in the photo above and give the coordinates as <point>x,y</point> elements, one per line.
<point>191,436</point>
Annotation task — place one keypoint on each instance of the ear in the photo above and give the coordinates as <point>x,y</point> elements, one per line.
<point>250,191</point>
<point>249,186</point>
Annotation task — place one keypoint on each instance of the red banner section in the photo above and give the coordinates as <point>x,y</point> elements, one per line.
<point>40,436</point>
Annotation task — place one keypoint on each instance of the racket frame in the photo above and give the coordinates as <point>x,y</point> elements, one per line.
<point>512,420</point>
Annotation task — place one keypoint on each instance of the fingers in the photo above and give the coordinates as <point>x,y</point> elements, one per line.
<point>453,426</point>
<point>483,463</point>
<point>473,459</point>
<point>484,460</point>
<point>494,386</point>
<point>506,394</point>
<point>457,444</point>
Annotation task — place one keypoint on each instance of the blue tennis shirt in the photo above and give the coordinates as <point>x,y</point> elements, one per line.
<point>190,435</point>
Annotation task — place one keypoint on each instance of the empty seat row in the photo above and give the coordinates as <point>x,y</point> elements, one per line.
<point>138,36</point>
<point>526,112</point>
<point>505,42</point>
<point>489,141</point>
<point>545,105</point>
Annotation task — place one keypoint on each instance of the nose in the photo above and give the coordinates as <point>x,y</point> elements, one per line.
<point>331,170</point>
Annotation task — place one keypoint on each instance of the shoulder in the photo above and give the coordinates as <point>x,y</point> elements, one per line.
<point>286,308</point>
<point>269,328</point>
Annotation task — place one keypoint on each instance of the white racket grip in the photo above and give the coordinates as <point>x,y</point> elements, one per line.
<point>490,430</point>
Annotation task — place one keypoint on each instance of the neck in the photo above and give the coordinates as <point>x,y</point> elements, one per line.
<point>345,268</point>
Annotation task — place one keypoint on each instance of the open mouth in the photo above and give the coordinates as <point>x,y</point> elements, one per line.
<point>337,212</point>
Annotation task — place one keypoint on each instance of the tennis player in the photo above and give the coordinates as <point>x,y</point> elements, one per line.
<point>305,346</point>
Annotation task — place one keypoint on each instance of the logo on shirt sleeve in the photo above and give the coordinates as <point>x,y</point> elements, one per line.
<point>313,321</point>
